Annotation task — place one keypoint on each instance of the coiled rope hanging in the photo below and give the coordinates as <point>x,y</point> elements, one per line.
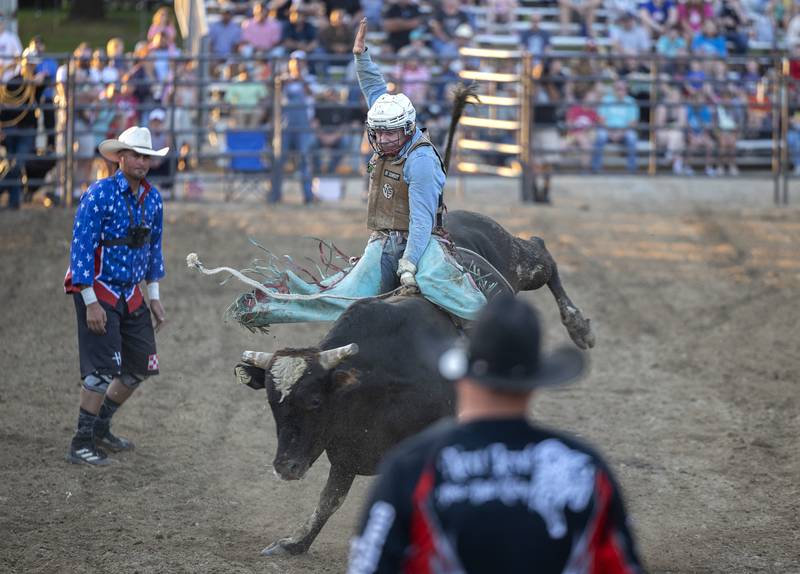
<point>22,96</point>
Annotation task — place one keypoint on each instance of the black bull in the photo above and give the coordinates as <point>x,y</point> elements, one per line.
<point>373,379</point>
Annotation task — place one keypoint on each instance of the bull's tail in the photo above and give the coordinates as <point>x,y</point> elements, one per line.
<point>463,94</point>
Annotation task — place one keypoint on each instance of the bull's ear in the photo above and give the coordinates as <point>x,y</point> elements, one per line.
<point>345,380</point>
<point>253,377</point>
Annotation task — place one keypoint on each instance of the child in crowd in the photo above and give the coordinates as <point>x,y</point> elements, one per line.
<point>582,119</point>
<point>700,119</point>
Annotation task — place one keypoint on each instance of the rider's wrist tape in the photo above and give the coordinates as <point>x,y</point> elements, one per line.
<point>88,295</point>
<point>152,291</point>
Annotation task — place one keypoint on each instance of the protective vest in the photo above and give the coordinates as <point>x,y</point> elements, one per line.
<point>388,205</point>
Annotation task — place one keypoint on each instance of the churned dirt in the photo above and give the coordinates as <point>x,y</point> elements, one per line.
<point>694,292</point>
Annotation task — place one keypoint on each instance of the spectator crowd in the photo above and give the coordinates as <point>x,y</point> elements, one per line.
<point>700,73</point>
<point>693,76</point>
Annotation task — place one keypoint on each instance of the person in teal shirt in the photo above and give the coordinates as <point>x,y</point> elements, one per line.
<point>671,44</point>
<point>709,42</point>
<point>619,115</point>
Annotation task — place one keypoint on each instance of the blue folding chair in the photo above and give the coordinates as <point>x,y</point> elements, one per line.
<point>248,163</point>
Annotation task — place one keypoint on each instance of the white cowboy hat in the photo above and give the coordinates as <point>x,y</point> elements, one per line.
<point>136,139</point>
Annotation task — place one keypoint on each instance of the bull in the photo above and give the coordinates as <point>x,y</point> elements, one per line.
<point>373,381</point>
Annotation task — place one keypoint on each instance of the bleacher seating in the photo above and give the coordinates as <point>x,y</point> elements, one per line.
<point>752,151</point>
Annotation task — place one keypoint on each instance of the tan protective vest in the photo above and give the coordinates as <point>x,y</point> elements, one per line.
<point>387,205</point>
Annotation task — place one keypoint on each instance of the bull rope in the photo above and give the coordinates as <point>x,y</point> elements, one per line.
<point>489,265</point>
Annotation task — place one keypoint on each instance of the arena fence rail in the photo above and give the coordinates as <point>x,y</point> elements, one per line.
<point>737,115</point>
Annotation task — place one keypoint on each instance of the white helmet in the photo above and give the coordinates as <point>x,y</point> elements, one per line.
<point>391,112</point>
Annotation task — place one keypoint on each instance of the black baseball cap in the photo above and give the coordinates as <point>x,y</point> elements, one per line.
<point>504,351</point>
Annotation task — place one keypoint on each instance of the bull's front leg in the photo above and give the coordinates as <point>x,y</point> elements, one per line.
<point>331,498</point>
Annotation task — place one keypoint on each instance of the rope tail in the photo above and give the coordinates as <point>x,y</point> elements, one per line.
<point>463,94</point>
<point>193,261</point>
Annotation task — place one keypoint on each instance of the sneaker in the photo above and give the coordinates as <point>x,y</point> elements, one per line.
<point>733,170</point>
<point>687,170</point>
<point>114,443</point>
<point>710,171</point>
<point>87,454</point>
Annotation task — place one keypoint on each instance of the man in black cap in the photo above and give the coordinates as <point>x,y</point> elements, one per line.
<point>491,492</point>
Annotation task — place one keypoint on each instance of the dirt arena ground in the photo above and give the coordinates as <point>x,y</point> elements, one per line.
<point>693,288</point>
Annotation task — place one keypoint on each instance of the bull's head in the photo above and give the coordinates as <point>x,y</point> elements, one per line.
<point>300,384</point>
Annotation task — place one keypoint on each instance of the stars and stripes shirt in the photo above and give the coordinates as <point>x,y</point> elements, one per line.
<point>494,496</point>
<point>105,213</point>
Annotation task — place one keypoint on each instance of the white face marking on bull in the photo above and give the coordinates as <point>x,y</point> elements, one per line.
<point>286,371</point>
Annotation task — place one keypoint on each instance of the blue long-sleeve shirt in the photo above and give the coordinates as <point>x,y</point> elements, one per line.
<point>422,170</point>
<point>115,271</point>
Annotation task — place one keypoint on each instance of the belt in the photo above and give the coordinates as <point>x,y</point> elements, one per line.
<point>389,233</point>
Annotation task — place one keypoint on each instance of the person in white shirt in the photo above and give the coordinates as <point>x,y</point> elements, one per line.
<point>10,50</point>
<point>630,37</point>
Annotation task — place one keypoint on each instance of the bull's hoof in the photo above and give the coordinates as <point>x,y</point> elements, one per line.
<point>284,547</point>
<point>578,327</point>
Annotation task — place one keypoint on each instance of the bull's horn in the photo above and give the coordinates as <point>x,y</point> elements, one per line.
<point>257,359</point>
<point>332,357</point>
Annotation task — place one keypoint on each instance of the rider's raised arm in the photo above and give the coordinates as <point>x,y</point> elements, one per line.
<point>370,78</point>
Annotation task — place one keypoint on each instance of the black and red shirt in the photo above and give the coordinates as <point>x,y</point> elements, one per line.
<point>494,496</point>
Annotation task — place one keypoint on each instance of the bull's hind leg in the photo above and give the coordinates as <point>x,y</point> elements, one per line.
<point>541,268</point>
<point>330,500</point>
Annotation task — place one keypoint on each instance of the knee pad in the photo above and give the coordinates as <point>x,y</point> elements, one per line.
<point>97,383</point>
<point>132,381</point>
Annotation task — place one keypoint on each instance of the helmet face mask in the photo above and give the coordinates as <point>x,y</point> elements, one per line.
<point>389,142</point>
<point>391,121</point>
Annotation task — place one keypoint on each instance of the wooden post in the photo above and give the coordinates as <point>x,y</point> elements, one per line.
<point>173,156</point>
<point>526,181</point>
<point>652,161</point>
<point>777,144</point>
<point>277,132</point>
<point>69,135</point>
<point>783,79</point>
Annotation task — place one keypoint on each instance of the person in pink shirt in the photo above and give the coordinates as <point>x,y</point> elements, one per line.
<point>414,78</point>
<point>263,31</point>
<point>127,106</point>
<point>692,14</point>
<point>582,119</point>
<point>162,24</point>
<point>413,71</point>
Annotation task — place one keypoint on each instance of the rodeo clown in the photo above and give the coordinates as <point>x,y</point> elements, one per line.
<point>116,244</point>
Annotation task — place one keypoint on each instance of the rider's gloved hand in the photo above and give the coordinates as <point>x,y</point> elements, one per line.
<point>406,270</point>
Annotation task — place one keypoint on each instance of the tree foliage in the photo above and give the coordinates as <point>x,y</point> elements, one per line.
<point>87,10</point>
